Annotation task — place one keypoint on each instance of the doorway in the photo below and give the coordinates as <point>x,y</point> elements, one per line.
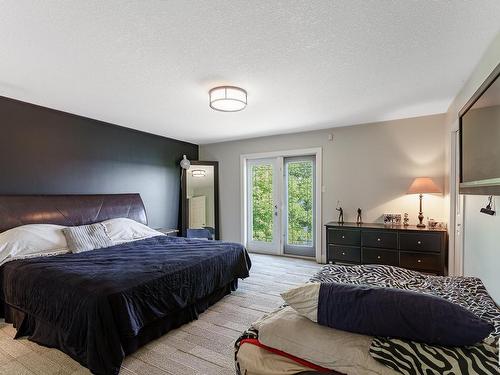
<point>281,203</point>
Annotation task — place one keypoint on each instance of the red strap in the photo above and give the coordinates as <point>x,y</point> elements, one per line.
<point>300,361</point>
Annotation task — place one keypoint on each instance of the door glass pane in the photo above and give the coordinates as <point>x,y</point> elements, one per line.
<point>300,202</point>
<point>262,202</point>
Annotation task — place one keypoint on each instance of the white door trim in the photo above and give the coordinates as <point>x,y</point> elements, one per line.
<point>457,202</point>
<point>317,152</point>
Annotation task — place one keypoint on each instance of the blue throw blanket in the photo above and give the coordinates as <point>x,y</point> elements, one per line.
<point>89,304</point>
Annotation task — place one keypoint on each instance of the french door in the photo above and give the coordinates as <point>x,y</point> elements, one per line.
<point>299,218</point>
<point>281,205</point>
<point>263,201</point>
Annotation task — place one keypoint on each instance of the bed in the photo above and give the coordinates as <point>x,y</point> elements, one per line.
<point>286,342</point>
<point>101,305</point>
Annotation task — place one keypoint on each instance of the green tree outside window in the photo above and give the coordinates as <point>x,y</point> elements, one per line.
<point>299,203</point>
<point>262,203</point>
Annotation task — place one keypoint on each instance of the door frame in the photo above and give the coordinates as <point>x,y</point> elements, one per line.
<point>317,153</point>
<point>456,228</point>
<point>185,203</point>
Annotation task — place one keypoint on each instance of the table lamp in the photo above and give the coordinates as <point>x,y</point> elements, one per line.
<point>421,186</point>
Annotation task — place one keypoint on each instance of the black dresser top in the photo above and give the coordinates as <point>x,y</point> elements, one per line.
<point>334,224</point>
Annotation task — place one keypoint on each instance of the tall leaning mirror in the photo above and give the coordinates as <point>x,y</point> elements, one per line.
<point>200,200</point>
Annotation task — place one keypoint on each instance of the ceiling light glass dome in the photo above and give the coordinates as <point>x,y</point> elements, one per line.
<point>228,98</point>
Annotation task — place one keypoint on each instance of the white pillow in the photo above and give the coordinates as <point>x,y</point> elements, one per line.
<point>123,230</point>
<point>32,240</point>
<point>304,300</point>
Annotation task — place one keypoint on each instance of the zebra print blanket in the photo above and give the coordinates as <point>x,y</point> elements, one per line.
<point>413,358</point>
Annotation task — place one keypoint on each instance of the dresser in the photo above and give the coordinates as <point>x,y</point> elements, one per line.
<point>408,247</point>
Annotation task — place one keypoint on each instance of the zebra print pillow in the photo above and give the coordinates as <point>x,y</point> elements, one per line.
<point>413,358</point>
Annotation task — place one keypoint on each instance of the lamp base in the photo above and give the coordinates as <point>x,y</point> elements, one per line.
<point>421,214</point>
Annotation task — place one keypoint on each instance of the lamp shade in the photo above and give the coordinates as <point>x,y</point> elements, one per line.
<point>423,185</point>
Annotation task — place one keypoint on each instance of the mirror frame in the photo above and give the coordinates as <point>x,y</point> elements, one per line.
<point>185,208</point>
<point>482,187</point>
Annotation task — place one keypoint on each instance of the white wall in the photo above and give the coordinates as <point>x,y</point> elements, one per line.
<point>481,253</point>
<point>481,244</point>
<point>368,166</point>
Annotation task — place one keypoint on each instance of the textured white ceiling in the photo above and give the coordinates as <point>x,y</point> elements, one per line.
<point>306,64</point>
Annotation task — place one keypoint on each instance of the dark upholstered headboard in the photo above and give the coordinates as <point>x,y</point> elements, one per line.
<point>68,210</point>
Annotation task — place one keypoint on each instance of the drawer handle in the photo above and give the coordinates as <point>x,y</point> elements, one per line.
<point>343,237</point>
<point>379,257</point>
<point>419,242</point>
<point>343,253</point>
<point>419,260</point>
<point>378,239</point>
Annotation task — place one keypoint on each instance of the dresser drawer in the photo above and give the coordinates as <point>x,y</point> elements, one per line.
<point>387,240</point>
<point>350,237</point>
<point>344,253</point>
<point>379,256</point>
<point>420,261</point>
<point>428,242</point>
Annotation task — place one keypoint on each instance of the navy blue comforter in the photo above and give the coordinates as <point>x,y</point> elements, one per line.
<point>89,304</point>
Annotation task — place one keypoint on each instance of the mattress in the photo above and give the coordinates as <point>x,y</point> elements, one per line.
<point>344,352</point>
<point>350,353</point>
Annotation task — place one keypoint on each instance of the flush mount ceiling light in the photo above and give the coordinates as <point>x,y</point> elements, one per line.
<point>228,98</point>
<point>199,173</point>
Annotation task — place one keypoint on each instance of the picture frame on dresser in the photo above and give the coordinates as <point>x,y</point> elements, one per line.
<point>411,247</point>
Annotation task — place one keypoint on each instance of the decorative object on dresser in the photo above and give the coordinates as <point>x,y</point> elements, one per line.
<point>406,219</point>
<point>408,247</point>
<point>359,219</point>
<point>431,223</point>
<point>392,219</point>
<point>421,186</point>
<point>341,213</point>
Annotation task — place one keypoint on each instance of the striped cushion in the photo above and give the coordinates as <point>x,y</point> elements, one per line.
<point>86,237</point>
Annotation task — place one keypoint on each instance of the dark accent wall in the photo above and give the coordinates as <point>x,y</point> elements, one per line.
<point>44,151</point>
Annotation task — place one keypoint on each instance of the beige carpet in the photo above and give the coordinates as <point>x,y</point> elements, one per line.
<point>204,346</point>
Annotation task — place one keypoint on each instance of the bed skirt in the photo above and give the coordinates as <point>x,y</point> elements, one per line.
<point>47,334</point>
